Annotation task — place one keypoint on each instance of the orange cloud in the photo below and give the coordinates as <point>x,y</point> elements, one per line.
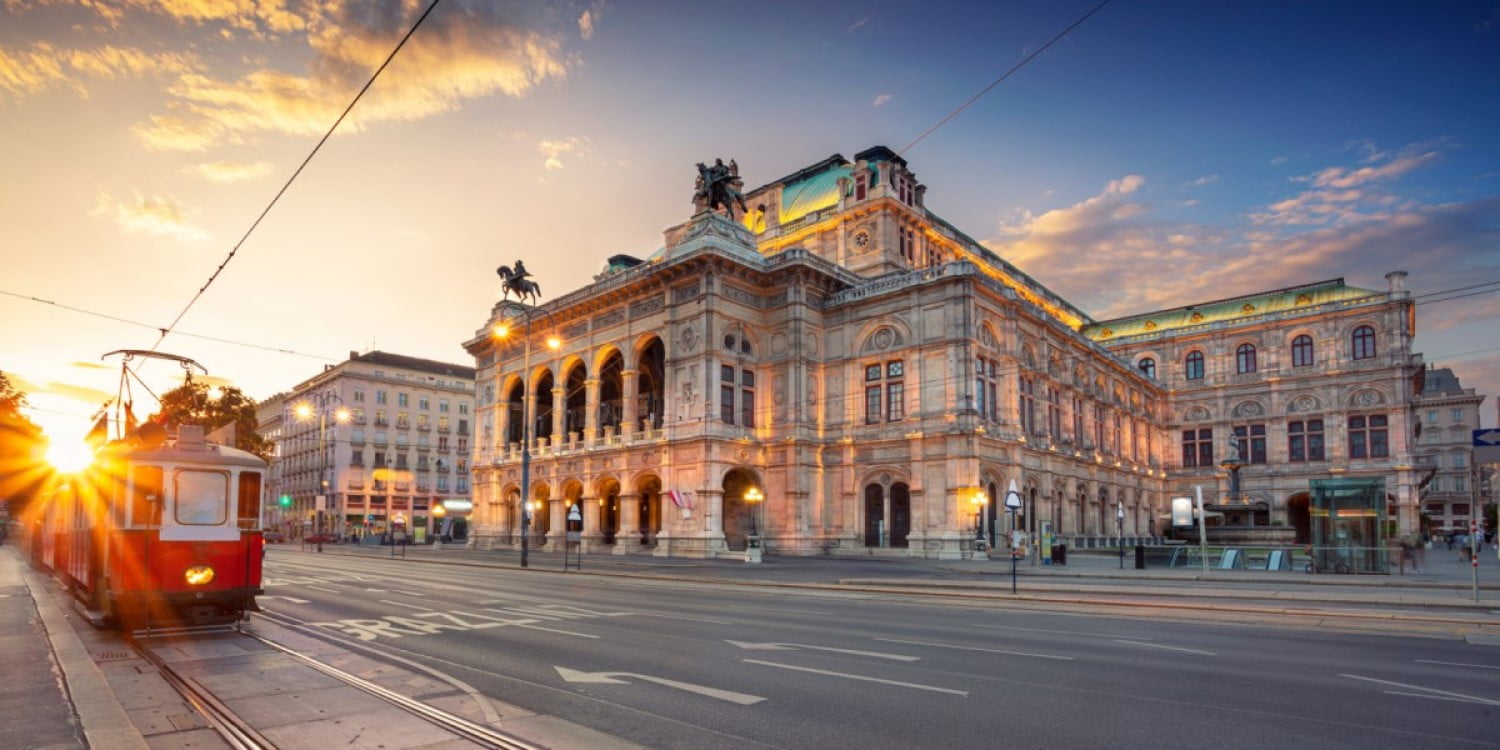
<point>228,171</point>
<point>43,67</point>
<point>456,56</point>
<point>149,214</point>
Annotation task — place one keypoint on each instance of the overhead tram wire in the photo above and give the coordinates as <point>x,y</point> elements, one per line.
<point>168,330</point>
<point>1457,289</point>
<point>139,324</point>
<point>1004,76</point>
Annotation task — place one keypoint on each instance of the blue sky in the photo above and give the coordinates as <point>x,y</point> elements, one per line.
<point>1163,153</point>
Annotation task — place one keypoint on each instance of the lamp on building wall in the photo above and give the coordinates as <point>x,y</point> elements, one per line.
<point>503,332</point>
<point>320,403</point>
<point>753,496</point>
<point>979,500</point>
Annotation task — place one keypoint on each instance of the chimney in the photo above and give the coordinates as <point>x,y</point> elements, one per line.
<point>1397,281</point>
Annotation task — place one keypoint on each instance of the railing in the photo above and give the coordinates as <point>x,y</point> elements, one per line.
<point>445,430</point>
<point>422,427</point>
<point>422,447</point>
<point>402,424</point>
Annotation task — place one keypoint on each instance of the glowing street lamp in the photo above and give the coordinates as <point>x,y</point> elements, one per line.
<point>502,331</point>
<point>979,500</point>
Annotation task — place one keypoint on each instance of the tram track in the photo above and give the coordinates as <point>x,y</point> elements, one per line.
<point>239,734</point>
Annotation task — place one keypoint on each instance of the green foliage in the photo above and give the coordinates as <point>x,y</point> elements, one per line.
<point>192,404</point>
<point>20,445</point>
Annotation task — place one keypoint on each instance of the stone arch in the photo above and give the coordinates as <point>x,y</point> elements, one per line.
<point>607,494</point>
<point>742,517</point>
<point>1303,403</point>
<point>649,505</point>
<point>987,336</point>
<point>739,340</point>
<point>541,518</point>
<point>1198,414</point>
<point>1250,407</point>
<point>886,334</point>
<point>1299,517</point>
<point>575,397</point>
<point>1366,397</point>
<point>650,359</point>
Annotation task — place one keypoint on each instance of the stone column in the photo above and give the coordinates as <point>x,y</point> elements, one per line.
<point>593,533</point>
<point>629,537</point>
<point>557,509</point>
<point>590,410</point>
<point>502,425</point>
<point>628,396</point>
<point>559,408</point>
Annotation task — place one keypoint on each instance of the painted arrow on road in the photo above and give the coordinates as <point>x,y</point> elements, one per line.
<point>611,678</point>
<point>800,646</point>
<point>284,598</point>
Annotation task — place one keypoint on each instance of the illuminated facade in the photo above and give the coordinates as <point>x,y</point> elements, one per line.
<point>847,373</point>
<point>402,450</point>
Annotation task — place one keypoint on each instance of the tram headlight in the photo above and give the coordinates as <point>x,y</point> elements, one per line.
<point>198,575</point>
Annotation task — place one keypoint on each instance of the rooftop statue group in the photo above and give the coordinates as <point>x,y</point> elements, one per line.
<point>717,187</point>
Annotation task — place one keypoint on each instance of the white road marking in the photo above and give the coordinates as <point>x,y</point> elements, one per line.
<point>797,646</point>
<point>1169,648</point>
<point>555,630</point>
<point>976,648</point>
<point>1429,692</point>
<point>320,588</point>
<point>376,591</point>
<point>405,593</point>
<point>860,677</point>
<point>293,600</point>
<point>408,606</point>
<point>1064,632</point>
<point>1456,664</point>
<point>610,678</point>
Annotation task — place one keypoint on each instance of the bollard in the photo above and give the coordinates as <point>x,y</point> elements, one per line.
<point>1140,557</point>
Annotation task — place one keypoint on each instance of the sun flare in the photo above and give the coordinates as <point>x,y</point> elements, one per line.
<point>69,456</point>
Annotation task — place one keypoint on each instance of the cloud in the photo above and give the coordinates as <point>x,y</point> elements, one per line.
<point>882,99</point>
<point>586,24</point>
<point>1201,181</point>
<point>553,150</point>
<point>1279,160</point>
<point>859,23</point>
<point>76,392</point>
<point>90,366</point>
<point>149,214</point>
<point>462,53</point>
<point>1112,256</point>
<point>44,67</point>
<point>228,171</point>
<point>1346,195</point>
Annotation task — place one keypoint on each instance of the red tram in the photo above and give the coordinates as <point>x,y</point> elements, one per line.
<point>159,531</point>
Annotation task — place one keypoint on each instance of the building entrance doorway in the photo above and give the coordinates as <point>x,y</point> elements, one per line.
<point>900,514</point>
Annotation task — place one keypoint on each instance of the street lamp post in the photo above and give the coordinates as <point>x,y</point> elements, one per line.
<point>980,501</point>
<point>1012,504</point>
<point>753,496</point>
<point>1120,530</point>
<point>502,331</point>
<point>304,410</point>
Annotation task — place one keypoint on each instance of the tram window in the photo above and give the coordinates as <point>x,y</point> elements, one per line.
<point>249,499</point>
<point>202,497</point>
<point>145,495</point>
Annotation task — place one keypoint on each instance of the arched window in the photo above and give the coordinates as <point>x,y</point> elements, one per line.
<point>1147,366</point>
<point>1244,359</point>
<point>1302,351</point>
<point>1194,365</point>
<point>1364,342</point>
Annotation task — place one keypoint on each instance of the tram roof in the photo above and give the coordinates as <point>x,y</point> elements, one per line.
<point>173,451</point>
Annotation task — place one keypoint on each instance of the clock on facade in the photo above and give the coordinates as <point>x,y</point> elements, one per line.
<point>861,239</point>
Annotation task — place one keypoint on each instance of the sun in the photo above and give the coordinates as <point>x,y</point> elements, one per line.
<point>69,456</point>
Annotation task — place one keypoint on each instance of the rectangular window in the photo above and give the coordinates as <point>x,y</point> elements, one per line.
<point>1458,415</point>
<point>747,398</point>
<point>872,404</point>
<point>1198,447</point>
<point>401,399</point>
<point>359,395</point>
<point>146,496</point>
<point>380,397</point>
<point>1251,440</point>
<point>423,403</point>
<point>1368,437</point>
<point>202,497</point>
<point>443,405</point>
<point>895,400</point>
<point>1117,433</point>
<point>1458,484</point>
<point>1304,440</point>
<point>726,403</point>
<point>463,407</point>
<point>1460,509</point>
<point>1078,420</point>
<point>249,500</point>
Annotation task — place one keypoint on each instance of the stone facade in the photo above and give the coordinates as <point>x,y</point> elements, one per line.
<point>873,373</point>
<point>1448,413</point>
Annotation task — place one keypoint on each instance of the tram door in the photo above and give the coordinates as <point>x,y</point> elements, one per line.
<point>874,514</point>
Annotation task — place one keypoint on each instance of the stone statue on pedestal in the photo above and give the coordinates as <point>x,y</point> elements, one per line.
<point>719,186</point>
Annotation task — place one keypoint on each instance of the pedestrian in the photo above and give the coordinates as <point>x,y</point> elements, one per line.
<point>1450,542</point>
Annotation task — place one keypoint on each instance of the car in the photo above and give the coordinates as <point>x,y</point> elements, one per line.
<point>273,537</point>
<point>321,538</point>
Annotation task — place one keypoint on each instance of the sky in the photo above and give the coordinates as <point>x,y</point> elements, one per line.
<point>1161,154</point>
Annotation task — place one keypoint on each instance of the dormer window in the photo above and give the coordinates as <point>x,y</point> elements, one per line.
<point>861,186</point>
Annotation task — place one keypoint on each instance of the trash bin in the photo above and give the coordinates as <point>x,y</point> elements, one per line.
<point>1059,554</point>
<point>1140,557</point>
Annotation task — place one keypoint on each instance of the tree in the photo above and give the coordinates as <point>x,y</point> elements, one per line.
<point>192,404</point>
<point>21,468</point>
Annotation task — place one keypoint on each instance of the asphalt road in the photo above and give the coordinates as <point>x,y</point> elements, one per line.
<point>692,665</point>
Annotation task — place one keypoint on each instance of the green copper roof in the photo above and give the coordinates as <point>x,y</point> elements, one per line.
<point>1264,303</point>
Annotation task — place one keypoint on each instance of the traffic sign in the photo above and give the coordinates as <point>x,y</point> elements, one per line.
<point>1486,446</point>
<point>574,514</point>
<point>1012,497</point>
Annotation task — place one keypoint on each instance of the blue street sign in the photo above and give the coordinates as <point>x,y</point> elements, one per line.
<point>1486,437</point>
